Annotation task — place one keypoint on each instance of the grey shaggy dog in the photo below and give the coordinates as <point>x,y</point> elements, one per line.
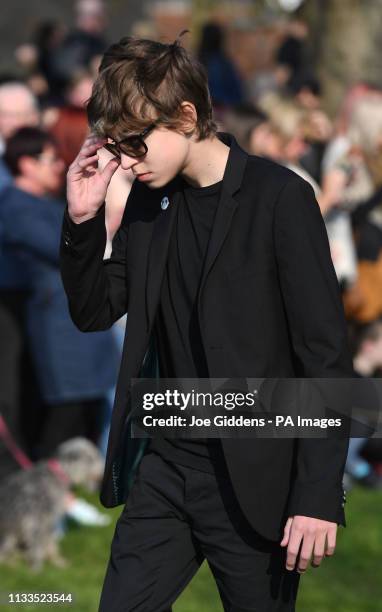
<point>33,501</point>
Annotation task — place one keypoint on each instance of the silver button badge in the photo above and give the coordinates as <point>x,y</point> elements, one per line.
<point>164,203</point>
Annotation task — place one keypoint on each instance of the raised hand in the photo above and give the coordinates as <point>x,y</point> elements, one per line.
<point>86,184</point>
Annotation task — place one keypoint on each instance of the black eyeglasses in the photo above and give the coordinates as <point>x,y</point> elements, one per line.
<point>133,146</point>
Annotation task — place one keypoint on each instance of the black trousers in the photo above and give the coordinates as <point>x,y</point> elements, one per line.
<point>174,518</point>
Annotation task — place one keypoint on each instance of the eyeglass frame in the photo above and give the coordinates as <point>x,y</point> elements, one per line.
<point>114,147</point>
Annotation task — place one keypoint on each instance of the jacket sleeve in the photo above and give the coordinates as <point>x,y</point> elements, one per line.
<point>96,288</point>
<point>318,332</point>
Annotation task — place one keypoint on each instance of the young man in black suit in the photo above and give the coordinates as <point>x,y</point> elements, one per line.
<point>223,265</point>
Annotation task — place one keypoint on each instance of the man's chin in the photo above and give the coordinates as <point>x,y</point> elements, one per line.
<point>156,184</point>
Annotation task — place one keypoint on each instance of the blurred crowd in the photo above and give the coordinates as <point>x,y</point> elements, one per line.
<point>56,382</point>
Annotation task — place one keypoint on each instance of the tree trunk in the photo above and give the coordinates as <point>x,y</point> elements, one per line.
<point>347,43</point>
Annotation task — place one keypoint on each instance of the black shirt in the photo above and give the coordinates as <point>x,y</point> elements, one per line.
<point>180,347</point>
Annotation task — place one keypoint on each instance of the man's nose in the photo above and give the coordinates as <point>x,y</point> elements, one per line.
<point>127,162</point>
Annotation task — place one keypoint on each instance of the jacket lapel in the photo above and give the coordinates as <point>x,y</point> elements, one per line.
<point>232,180</point>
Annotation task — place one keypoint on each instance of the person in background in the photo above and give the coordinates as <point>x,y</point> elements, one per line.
<point>354,176</point>
<point>254,131</point>
<point>18,107</point>
<point>47,39</point>
<point>318,127</point>
<point>367,362</point>
<point>242,120</point>
<point>306,90</point>
<point>82,48</point>
<point>286,139</point>
<point>288,134</point>
<point>344,164</point>
<point>368,357</point>
<point>36,60</point>
<point>292,53</point>
<point>264,140</point>
<point>224,81</point>
<point>68,124</point>
<point>75,371</point>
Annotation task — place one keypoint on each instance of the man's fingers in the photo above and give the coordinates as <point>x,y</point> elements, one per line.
<point>85,157</point>
<point>91,143</point>
<point>94,137</point>
<point>331,542</point>
<point>85,151</point>
<point>313,534</point>
<point>88,161</point>
<point>293,548</point>
<point>306,552</point>
<point>319,549</point>
<point>110,168</point>
<point>89,138</point>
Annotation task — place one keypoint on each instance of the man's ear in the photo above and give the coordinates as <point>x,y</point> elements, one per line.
<point>189,118</point>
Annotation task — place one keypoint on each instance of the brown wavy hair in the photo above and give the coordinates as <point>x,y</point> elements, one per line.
<point>142,80</point>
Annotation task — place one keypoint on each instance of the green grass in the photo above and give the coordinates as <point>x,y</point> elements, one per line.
<point>351,581</point>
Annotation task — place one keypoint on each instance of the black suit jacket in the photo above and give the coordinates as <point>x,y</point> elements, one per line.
<point>269,306</point>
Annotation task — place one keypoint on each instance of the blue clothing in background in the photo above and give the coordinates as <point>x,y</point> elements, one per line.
<point>5,176</point>
<point>12,273</point>
<point>224,80</point>
<point>70,365</point>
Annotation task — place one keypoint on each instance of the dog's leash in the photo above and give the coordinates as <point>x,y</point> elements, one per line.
<point>20,457</point>
<point>56,468</point>
<point>16,452</point>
